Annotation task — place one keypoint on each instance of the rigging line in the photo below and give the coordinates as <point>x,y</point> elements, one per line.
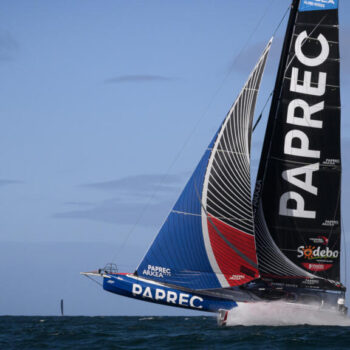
<point>93,280</point>
<point>303,43</point>
<point>177,156</point>
<point>268,99</point>
<point>345,252</point>
<point>244,47</point>
<point>284,16</point>
<point>334,216</point>
<point>232,218</point>
<point>262,112</point>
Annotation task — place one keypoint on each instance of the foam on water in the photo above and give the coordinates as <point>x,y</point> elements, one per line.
<point>282,314</point>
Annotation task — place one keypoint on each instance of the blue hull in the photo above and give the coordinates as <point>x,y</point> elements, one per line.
<point>139,288</point>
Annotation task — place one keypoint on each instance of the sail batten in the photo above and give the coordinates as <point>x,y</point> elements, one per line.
<point>210,229</point>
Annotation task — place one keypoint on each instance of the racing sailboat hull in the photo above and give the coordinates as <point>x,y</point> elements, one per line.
<point>136,287</point>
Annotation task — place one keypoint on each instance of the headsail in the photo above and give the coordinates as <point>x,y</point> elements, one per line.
<point>207,241</point>
<point>297,193</point>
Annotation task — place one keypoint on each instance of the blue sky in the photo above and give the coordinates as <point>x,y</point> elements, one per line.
<point>100,99</point>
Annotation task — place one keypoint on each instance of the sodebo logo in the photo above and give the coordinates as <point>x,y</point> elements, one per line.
<point>168,296</point>
<point>310,252</point>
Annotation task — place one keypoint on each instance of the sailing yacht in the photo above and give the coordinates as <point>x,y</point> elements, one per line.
<point>219,247</point>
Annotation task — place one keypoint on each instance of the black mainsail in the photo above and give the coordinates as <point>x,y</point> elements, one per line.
<point>297,193</point>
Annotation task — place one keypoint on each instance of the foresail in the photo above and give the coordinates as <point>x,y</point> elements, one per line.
<point>297,193</point>
<point>227,218</point>
<point>207,241</point>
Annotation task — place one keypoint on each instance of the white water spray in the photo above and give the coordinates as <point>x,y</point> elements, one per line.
<point>283,314</point>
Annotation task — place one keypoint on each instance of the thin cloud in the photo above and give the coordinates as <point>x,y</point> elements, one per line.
<point>115,211</point>
<point>140,184</point>
<point>149,196</point>
<point>138,78</point>
<point>79,203</point>
<point>5,182</point>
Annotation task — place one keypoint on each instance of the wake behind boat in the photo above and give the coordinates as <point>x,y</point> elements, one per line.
<point>217,248</point>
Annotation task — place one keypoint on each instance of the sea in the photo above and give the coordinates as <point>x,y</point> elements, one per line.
<point>40,332</point>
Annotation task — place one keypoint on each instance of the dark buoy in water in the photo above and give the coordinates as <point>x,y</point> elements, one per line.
<point>62,313</point>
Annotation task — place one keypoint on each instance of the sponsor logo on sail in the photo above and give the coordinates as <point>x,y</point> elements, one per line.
<point>317,267</point>
<point>304,113</point>
<point>157,271</point>
<point>237,277</point>
<point>168,296</point>
<point>312,2</point>
<point>331,162</point>
<point>310,281</point>
<point>311,253</point>
<point>330,223</point>
<point>318,5</point>
<point>319,240</point>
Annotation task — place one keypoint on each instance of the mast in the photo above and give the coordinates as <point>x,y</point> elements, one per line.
<point>276,97</point>
<point>297,194</point>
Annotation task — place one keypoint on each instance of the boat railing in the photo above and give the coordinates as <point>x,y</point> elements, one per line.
<point>109,268</point>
